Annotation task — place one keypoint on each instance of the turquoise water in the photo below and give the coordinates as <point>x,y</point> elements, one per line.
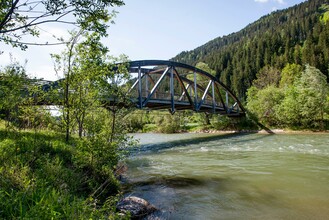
<point>230,176</point>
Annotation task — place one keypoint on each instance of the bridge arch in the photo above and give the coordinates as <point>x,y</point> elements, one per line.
<point>161,84</point>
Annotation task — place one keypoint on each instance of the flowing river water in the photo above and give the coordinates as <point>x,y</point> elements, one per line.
<point>232,176</point>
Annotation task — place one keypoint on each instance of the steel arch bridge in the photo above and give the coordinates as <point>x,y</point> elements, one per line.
<point>160,84</point>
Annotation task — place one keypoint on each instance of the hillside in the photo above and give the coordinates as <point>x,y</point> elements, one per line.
<point>299,35</point>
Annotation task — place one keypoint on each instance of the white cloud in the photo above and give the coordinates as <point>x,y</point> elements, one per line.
<point>281,2</point>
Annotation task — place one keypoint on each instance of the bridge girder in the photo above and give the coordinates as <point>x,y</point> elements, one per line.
<point>161,84</point>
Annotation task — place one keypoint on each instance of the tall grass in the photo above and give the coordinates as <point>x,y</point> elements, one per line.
<point>42,177</point>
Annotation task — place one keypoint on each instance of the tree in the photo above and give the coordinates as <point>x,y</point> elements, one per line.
<point>312,90</point>
<point>90,79</point>
<point>205,67</point>
<point>289,74</point>
<point>12,88</point>
<point>22,17</point>
<point>266,77</point>
<point>305,103</point>
<point>288,111</point>
<point>89,62</point>
<point>18,96</point>
<point>264,103</point>
<point>64,63</point>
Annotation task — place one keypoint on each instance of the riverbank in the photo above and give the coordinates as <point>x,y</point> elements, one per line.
<point>263,131</point>
<point>199,128</point>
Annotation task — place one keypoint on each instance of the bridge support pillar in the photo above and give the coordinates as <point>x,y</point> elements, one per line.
<point>172,91</point>
<point>195,92</point>
<point>213,97</point>
<point>140,87</point>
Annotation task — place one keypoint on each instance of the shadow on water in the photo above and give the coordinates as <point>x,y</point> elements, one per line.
<point>170,181</point>
<point>234,138</point>
<point>177,196</point>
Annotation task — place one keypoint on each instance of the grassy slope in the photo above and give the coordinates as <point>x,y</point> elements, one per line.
<point>42,177</point>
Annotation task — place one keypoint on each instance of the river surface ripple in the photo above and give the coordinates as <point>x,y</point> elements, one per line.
<point>232,176</point>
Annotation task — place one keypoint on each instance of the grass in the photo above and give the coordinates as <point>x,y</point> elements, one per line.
<point>42,177</point>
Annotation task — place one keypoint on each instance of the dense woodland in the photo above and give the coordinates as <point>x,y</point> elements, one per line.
<point>297,35</point>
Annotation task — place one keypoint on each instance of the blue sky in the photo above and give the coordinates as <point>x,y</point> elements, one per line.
<point>154,29</point>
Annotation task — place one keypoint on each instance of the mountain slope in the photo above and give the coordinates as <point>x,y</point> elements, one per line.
<point>299,34</point>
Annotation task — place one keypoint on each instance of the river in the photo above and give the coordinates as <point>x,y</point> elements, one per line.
<point>232,176</point>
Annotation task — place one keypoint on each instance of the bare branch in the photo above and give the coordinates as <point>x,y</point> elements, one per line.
<point>31,24</point>
<point>35,44</point>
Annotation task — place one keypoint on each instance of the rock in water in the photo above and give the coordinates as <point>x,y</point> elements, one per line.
<point>137,207</point>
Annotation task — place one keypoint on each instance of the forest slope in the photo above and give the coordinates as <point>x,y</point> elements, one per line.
<point>297,35</point>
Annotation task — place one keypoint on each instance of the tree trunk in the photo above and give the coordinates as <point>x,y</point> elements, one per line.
<point>207,119</point>
<point>113,125</point>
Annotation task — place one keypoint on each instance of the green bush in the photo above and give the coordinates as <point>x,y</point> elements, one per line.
<point>168,123</point>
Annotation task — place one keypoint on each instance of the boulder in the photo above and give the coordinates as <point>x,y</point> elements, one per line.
<point>137,207</point>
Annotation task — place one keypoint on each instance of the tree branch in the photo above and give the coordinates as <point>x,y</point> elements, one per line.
<point>38,23</point>
<point>8,15</point>
<point>32,24</point>
<point>34,44</point>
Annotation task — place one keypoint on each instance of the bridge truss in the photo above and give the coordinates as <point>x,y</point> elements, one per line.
<point>160,84</point>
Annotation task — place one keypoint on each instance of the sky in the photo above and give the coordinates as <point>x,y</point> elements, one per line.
<point>153,29</point>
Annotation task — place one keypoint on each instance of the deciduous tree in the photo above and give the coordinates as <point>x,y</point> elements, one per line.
<point>22,17</point>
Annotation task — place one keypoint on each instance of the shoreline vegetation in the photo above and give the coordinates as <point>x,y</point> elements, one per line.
<point>189,122</point>
<point>44,177</point>
<point>263,131</point>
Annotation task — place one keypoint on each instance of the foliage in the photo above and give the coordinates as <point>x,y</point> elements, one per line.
<point>301,101</point>
<point>325,16</point>
<point>288,110</point>
<point>305,103</point>
<point>168,123</point>
<point>18,18</point>
<point>89,79</point>
<point>267,76</point>
<point>219,122</point>
<point>289,73</point>
<point>205,67</point>
<point>263,103</point>
<point>17,93</point>
<point>13,84</point>
<point>137,120</point>
<point>312,90</point>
